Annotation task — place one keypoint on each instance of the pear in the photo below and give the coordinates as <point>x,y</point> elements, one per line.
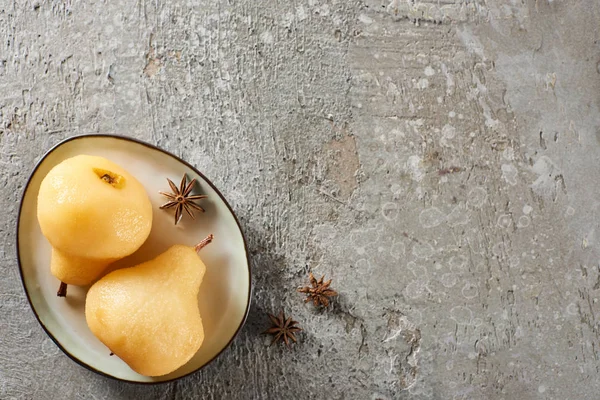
<point>93,213</point>
<point>148,314</point>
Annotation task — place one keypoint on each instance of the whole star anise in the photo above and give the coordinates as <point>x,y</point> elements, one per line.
<point>283,328</point>
<point>319,292</point>
<point>181,199</point>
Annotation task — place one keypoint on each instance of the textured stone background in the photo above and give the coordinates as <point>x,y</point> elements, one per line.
<point>438,159</point>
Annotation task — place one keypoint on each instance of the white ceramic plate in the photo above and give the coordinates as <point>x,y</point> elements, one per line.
<point>224,297</point>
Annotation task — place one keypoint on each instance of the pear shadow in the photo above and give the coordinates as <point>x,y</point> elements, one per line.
<point>269,291</point>
<point>75,298</point>
<point>209,305</point>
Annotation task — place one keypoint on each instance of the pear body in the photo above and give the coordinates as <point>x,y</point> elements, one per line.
<point>92,212</point>
<point>148,314</point>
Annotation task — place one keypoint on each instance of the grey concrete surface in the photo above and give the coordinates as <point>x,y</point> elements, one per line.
<point>438,159</point>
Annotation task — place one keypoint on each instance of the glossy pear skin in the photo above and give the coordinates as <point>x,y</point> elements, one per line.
<point>148,314</point>
<point>92,212</point>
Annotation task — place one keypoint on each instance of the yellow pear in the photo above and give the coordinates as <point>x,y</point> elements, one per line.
<point>148,314</point>
<point>92,212</point>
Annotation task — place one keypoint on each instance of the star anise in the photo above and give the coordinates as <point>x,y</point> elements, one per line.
<point>319,292</point>
<point>282,329</point>
<point>181,199</point>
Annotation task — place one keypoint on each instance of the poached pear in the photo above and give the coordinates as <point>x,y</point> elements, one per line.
<point>148,314</point>
<point>93,212</point>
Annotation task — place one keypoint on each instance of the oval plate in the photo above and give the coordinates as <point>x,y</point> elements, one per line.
<point>224,297</point>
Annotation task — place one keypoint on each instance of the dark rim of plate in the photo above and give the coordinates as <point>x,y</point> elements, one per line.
<point>195,170</point>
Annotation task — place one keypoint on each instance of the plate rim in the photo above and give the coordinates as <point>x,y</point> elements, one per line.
<point>195,170</point>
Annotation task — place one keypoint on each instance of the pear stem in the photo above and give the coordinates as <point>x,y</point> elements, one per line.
<point>62,290</point>
<point>204,242</point>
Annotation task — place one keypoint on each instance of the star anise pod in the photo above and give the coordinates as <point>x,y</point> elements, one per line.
<point>181,198</point>
<point>283,329</point>
<point>319,292</point>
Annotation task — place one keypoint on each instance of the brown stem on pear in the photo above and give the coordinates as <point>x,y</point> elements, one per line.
<point>62,290</point>
<point>204,242</point>
<point>107,178</point>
